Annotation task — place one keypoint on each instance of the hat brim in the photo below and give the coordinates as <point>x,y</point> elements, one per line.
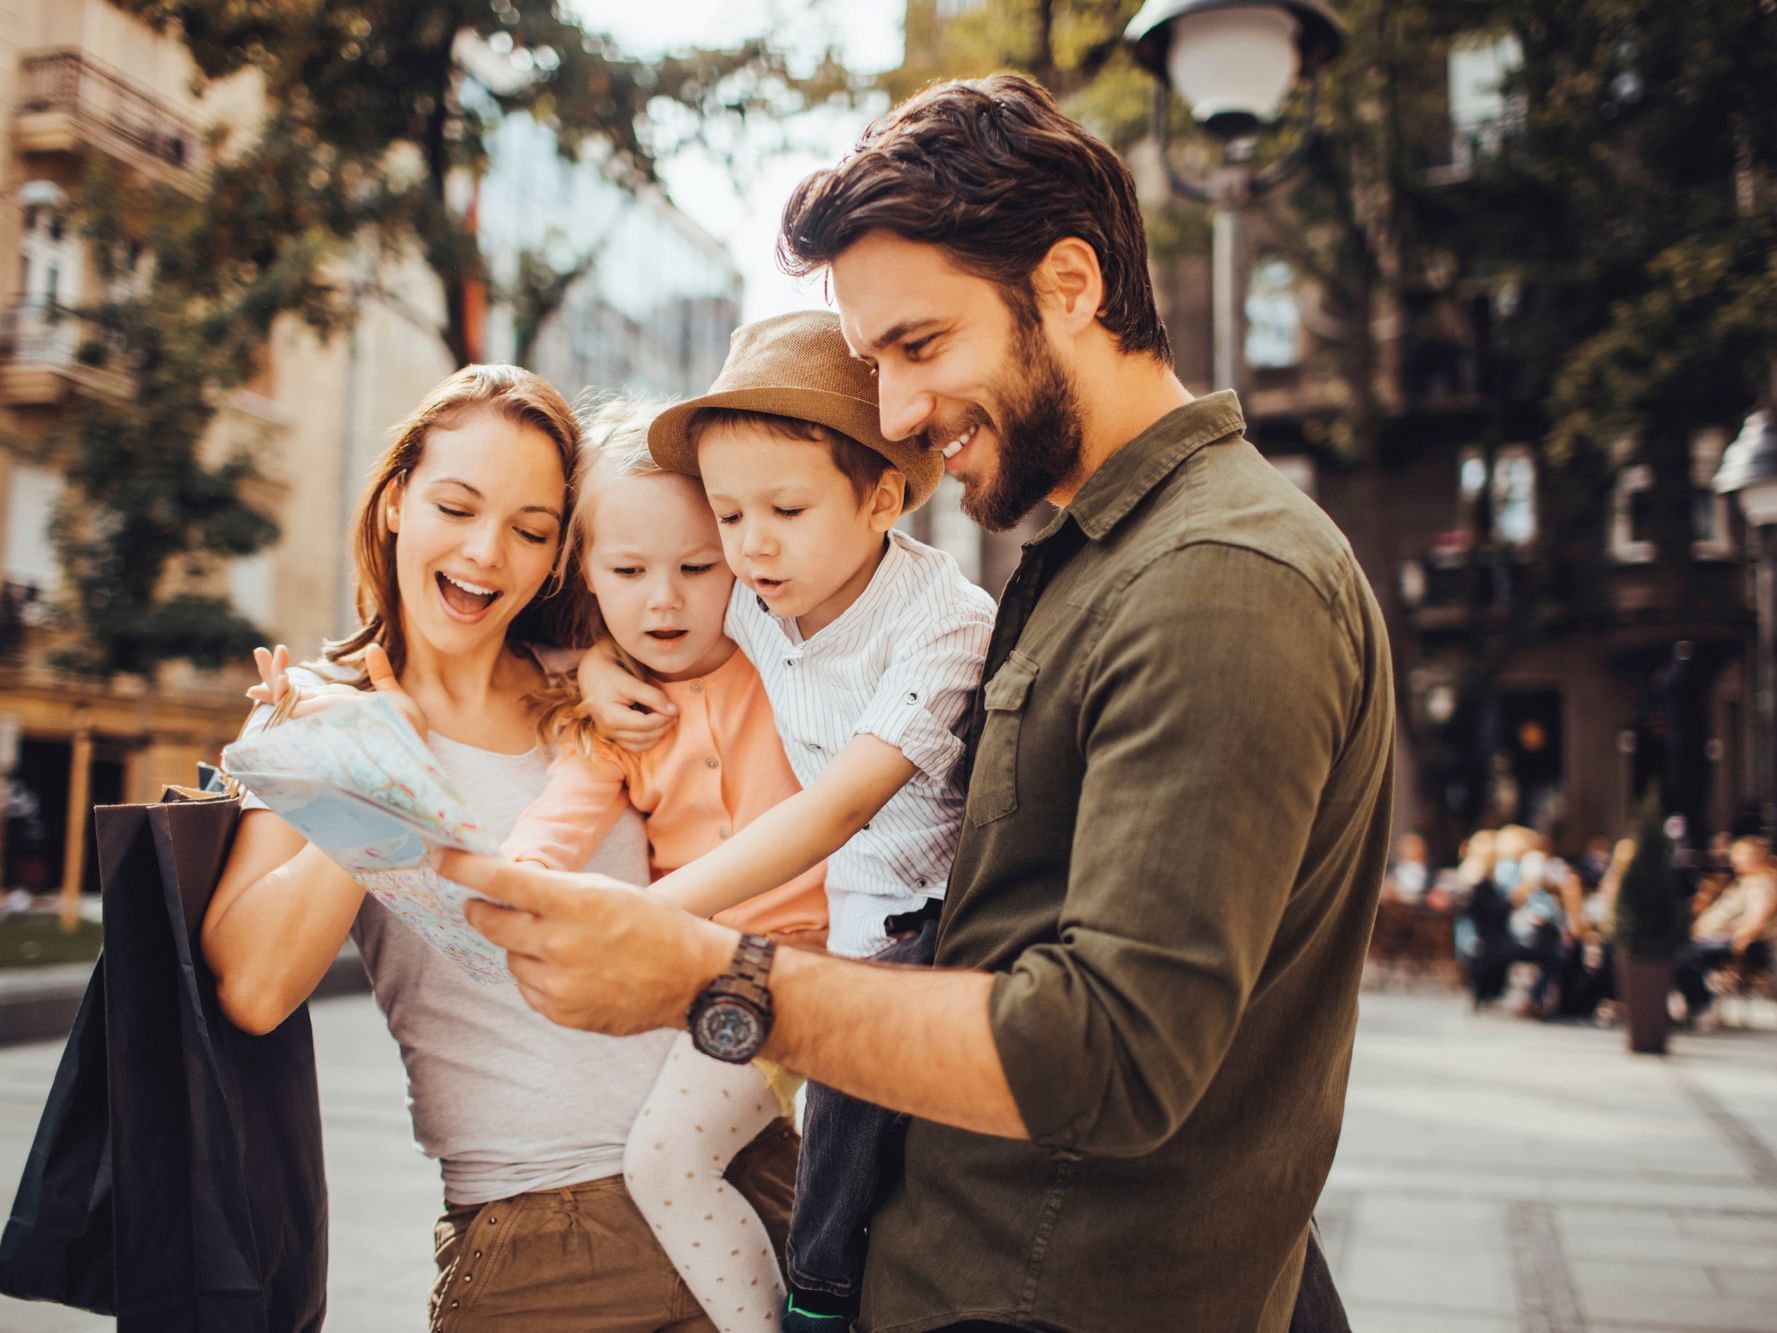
<point>670,442</point>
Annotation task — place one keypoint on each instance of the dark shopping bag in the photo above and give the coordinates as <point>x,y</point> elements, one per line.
<point>57,1244</point>
<point>212,1136</point>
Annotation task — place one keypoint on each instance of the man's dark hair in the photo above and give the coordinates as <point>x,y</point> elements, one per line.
<point>990,171</point>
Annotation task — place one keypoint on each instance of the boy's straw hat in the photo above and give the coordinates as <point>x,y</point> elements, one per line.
<point>798,366</point>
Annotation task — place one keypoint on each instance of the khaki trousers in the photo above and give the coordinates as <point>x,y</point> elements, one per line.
<point>581,1259</point>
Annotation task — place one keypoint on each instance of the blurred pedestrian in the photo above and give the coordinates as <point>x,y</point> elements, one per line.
<point>1410,874</point>
<point>1736,928</point>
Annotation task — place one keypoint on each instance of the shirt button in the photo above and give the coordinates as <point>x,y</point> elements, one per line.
<point>712,762</point>
<point>789,661</point>
<point>697,687</point>
<point>724,832</point>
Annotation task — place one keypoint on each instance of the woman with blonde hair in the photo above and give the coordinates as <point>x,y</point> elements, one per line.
<point>460,549</point>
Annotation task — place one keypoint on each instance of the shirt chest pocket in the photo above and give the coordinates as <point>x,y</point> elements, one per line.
<point>993,783</point>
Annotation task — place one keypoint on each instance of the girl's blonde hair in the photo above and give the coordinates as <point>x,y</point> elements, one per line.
<point>560,611</point>
<point>614,439</point>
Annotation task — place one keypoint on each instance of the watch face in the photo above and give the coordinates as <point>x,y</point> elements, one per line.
<point>728,1030</point>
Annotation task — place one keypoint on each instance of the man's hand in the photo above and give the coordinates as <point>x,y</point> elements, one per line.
<point>629,713</point>
<point>588,952</point>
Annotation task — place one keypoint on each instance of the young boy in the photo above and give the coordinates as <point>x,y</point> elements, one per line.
<point>870,646</point>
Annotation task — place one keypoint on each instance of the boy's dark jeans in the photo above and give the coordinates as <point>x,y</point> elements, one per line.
<point>848,1148</point>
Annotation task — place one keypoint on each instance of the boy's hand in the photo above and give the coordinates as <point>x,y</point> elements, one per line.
<point>629,713</point>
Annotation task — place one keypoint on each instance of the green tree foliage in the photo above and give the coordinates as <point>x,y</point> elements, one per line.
<point>148,514</point>
<point>377,113</point>
<point>1075,49</point>
<point>378,107</point>
<point>1630,209</point>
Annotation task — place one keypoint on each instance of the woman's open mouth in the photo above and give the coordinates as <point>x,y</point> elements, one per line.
<point>667,635</point>
<point>466,600</point>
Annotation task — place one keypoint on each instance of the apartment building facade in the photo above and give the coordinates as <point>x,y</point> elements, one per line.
<point>79,81</point>
<point>1549,671</point>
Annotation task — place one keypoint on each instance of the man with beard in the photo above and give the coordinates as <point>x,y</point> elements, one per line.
<point>1128,1070</point>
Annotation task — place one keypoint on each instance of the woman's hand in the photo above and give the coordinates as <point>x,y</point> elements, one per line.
<point>382,680</point>
<point>287,701</point>
<point>623,710</point>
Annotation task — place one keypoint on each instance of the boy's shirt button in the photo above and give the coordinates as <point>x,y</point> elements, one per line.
<point>697,687</point>
<point>712,762</point>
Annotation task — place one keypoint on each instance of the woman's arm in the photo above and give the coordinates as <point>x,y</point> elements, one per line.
<point>794,834</point>
<point>282,909</point>
<point>276,922</point>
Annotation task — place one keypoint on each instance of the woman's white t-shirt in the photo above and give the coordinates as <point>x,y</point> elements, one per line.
<point>504,1099</point>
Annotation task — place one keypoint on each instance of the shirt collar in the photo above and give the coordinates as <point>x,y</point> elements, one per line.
<point>857,621</point>
<point>1125,478</point>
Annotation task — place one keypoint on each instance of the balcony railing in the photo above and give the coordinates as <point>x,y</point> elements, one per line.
<point>48,352</point>
<point>94,95</point>
<point>23,611</point>
<point>37,334</point>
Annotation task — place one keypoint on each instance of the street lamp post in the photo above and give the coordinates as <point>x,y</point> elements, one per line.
<point>1748,472</point>
<point>1233,62</point>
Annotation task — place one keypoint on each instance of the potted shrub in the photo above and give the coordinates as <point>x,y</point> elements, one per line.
<point>1652,924</point>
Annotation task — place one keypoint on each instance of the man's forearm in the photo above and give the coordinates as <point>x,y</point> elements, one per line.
<point>911,1039</point>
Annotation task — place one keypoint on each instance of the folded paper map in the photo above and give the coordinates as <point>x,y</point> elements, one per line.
<point>357,782</point>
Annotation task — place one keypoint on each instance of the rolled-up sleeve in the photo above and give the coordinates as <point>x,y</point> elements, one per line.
<point>1212,710</point>
<point>920,704</point>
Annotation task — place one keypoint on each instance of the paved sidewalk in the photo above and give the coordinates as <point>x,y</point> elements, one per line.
<point>382,1195</point>
<point>1495,1176</point>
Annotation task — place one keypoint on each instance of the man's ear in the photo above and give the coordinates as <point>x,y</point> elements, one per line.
<point>888,499</point>
<point>1070,285</point>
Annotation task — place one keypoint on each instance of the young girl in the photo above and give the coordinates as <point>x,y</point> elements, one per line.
<point>651,554</point>
<point>460,561</point>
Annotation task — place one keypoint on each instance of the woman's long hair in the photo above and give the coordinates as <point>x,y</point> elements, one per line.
<point>560,612</point>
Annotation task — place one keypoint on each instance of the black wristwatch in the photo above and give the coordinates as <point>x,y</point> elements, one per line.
<point>731,1017</point>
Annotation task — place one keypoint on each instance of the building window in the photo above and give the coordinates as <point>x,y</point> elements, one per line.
<point>1273,315</point>
<point>1513,492</point>
<point>31,496</point>
<point>1480,110</point>
<point>1632,506</point>
<point>1710,537</point>
<point>1631,516</point>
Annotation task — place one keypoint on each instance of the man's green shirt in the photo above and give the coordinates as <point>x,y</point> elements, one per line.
<point>1176,829</point>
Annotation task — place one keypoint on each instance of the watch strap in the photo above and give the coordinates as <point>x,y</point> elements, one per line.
<point>752,960</point>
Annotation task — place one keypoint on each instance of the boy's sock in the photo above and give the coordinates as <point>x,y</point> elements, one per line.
<point>818,1312</point>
